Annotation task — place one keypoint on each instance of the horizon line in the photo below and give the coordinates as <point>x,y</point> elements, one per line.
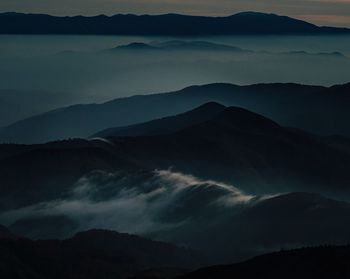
<point>173,13</point>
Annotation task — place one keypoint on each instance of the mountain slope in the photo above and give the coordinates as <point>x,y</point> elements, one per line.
<point>168,24</point>
<point>320,110</point>
<point>234,146</point>
<point>318,262</point>
<point>49,171</point>
<point>147,178</point>
<point>90,254</point>
<point>166,125</point>
<point>5,233</point>
<point>247,150</point>
<point>264,225</point>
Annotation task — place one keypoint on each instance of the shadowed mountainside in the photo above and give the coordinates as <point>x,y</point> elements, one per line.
<point>326,262</point>
<point>238,232</point>
<point>5,233</point>
<point>90,254</point>
<point>282,222</point>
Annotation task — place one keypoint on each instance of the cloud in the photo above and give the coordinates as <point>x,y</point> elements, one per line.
<point>134,203</point>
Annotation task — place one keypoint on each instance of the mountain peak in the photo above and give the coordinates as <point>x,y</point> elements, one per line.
<point>210,106</point>
<point>245,120</point>
<point>168,124</point>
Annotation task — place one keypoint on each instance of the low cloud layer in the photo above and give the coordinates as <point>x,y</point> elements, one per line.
<point>138,204</point>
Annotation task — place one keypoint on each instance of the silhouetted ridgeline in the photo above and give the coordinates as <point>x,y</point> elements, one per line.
<point>91,254</point>
<point>322,110</point>
<point>319,262</point>
<point>108,254</point>
<point>168,24</point>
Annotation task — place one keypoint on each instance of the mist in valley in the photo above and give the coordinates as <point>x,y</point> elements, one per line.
<point>57,71</point>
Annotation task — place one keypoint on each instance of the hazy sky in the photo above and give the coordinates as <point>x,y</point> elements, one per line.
<point>322,12</point>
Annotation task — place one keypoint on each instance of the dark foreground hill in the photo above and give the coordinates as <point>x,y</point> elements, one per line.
<point>326,262</point>
<point>91,254</point>
<point>168,25</point>
<point>283,222</point>
<point>313,108</point>
<point>205,218</point>
<point>5,233</point>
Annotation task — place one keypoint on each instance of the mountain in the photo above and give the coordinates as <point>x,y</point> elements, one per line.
<point>231,145</point>
<point>321,110</point>
<point>314,262</point>
<point>5,233</point>
<point>136,46</point>
<point>167,24</point>
<point>178,45</point>
<point>282,222</point>
<point>242,148</point>
<point>264,225</point>
<point>90,254</point>
<point>166,125</point>
<point>49,171</point>
<point>226,172</point>
<point>14,103</point>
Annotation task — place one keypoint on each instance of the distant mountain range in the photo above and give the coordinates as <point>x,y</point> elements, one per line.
<point>178,45</point>
<point>167,25</point>
<point>321,110</point>
<point>197,46</point>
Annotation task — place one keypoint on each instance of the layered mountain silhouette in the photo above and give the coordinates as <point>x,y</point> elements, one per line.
<point>254,159</point>
<point>90,254</point>
<point>230,144</point>
<point>315,262</point>
<point>168,24</point>
<point>320,110</point>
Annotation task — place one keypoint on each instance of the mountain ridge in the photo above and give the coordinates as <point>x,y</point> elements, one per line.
<point>166,24</point>
<point>322,110</point>
<point>89,254</point>
<point>324,262</point>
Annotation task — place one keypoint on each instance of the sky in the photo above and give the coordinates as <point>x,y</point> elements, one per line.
<point>321,12</point>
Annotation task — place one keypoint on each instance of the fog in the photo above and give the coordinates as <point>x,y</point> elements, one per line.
<point>39,73</point>
<point>139,204</point>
